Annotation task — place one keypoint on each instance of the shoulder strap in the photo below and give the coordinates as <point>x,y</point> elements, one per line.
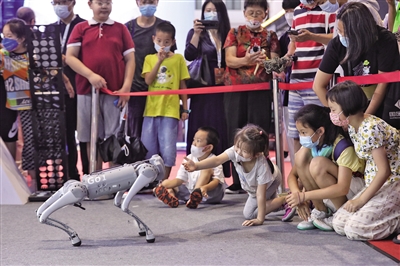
<point>131,27</point>
<point>327,15</point>
<point>340,147</point>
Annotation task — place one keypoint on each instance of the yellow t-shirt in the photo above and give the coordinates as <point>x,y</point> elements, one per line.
<point>172,70</point>
<point>348,158</point>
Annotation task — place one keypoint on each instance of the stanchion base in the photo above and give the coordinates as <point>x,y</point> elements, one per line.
<point>40,196</point>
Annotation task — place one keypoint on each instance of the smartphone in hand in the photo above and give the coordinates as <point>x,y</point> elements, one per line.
<point>293,32</point>
<point>209,24</point>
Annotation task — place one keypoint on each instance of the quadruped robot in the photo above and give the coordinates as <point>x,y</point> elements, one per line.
<point>113,180</point>
<point>278,64</point>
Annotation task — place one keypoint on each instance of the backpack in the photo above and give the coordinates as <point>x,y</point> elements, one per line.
<point>340,147</point>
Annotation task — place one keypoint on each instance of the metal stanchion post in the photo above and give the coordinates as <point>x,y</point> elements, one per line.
<point>278,113</point>
<point>94,129</point>
<point>333,80</point>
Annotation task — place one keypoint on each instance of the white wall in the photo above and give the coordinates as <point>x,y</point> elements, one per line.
<point>180,13</point>
<point>236,16</point>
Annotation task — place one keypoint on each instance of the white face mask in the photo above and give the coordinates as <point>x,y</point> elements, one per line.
<point>240,158</point>
<point>329,7</point>
<point>253,24</point>
<point>158,47</point>
<point>62,11</point>
<point>289,18</point>
<point>210,15</point>
<point>197,152</point>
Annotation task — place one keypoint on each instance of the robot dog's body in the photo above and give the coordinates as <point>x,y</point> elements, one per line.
<point>114,180</point>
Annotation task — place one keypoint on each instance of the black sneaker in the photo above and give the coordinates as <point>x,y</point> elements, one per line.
<point>234,189</point>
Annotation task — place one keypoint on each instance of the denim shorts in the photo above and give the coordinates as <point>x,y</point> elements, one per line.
<point>159,136</point>
<point>298,99</point>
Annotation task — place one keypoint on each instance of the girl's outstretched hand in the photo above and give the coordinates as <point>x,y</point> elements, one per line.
<point>252,222</point>
<point>189,165</point>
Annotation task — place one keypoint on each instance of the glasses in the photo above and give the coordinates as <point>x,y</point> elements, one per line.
<point>252,13</point>
<point>101,4</point>
<point>60,2</point>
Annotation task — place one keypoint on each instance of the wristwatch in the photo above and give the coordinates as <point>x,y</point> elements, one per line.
<point>186,111</point>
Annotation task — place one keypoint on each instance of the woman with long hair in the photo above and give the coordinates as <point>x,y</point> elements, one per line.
<point>208,109</point>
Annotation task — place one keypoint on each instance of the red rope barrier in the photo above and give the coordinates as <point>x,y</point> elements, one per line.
<point>361,80</point>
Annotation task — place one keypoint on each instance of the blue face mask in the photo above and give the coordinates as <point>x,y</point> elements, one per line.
<point>304,2</point>
<point>148,10</point>
<point>306,141</point>
<point>329,7</point>
<point>344,40</point>
<point>158,47</point>
<point>210,15</point>
<point>10,44</point>
<point>325,151</point>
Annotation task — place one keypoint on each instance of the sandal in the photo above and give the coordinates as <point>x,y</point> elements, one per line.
<point>163,195</point>
<point>195,198</point>
<point>396,240</point>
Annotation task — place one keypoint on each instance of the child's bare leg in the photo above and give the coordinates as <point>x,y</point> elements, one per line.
<point>274,204</point>
<point>167,172</point>
<point>325,173</point>
<point>302,161</point>
<point>205,177</point>
<point>33,184</point>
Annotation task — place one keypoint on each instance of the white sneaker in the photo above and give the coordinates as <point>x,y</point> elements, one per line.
<point>324,224</point>
<point>315,214</point>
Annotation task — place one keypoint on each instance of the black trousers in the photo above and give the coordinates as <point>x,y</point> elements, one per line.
<point>70,124</point>
<point>136,107</point>
<point>242,108</point>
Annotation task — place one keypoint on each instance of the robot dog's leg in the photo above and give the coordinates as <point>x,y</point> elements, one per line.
<point>118,198</point>
<point>148,172</point>
<point>71,193</point>
<point>73,236</point>
<point>53,198</point>
<point>143,228</point>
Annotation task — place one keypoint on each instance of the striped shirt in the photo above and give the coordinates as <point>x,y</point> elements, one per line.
<point>310,53</point>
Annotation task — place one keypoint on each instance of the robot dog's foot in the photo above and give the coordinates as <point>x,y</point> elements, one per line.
<point>75,240</point>
<point>150,237</point>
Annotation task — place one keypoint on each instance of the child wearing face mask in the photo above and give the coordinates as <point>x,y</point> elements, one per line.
<point>326,165</point>
<point>192,187</point>
<point>14,65</point>
<point>246,47</point>
<point>164,71</point>
<point>374,212</point>
<point>102,54</point>
<point>258,176</point>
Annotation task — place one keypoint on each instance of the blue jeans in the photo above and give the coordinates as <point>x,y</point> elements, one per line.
<point>159,136</point>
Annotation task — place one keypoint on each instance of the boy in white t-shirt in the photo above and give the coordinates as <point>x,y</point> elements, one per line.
<point>193,186</point>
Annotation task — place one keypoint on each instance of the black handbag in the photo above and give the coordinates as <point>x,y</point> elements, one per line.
<point>109,148</point>
<point>391,105</point>
<point>199,71</point>
<point>131,149</point>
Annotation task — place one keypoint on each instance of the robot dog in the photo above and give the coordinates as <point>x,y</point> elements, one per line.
<point>278,64</point>
<point>114,180</point>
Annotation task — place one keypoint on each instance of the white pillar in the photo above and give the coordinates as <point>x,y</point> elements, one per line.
<point>181,14</point>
